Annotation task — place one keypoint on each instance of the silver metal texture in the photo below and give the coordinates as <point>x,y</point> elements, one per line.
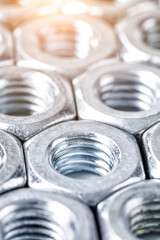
<point>123,95</point>
<point>151,141</point>
<point>6,47</point>
<point>29,214</point>
<point>111,10</point>
<point>139,38</point>
<point>67,44</point>
<point>132,213</point>
<point>83,159</point>
<point>32,101</point>
<point>12,12</point>
<point>12,167</point>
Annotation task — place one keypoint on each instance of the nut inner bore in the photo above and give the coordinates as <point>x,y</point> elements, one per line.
<point>84,157</point>
<point>36,220</point>
<point>151,33</point>
<point>145,221</point>
<point>26,96</point>
<point>126,92</point>
<point>68,40</point>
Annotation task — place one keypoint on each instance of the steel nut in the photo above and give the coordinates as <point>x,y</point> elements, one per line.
<point>32,101</point>
<point>150,141</point>
<point>124,95</point>
<point>111,11</point>
<point>83,159</point>
<point>6,47</point>
<point>67,44</point>
<point>12,167</point>
<point>29,214</point>
<point>132,213</point>
<point>139,38</point>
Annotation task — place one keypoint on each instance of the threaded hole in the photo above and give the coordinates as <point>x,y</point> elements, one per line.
<point>68,40</point>
<point>151,33</point>
<point>26,96</point>
<point>35,220</point>
<point>126,92</point>
<point>145,221</point>
<point>84,157</point>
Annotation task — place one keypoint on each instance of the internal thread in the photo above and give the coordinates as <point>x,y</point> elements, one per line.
<point>22,99</point>
<point>31,220</point>
<point>145,221</point>
<point>84,155</point>
<point>151,33</point>
<point>72,40</point>
<point>119,93</point>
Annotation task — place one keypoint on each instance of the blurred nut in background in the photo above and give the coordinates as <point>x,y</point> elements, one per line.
<point>83,159</point>
<point>124,95</point>
<point>12,12</point>
<point>111,10</point>
<point>151,143</point>
<point>32,101</point>
<point>139,38</point>
<point>67,44</point>
<point>131,213</point>
<point>29,214</point>
<point>6,46</point>
<point>12,167</point>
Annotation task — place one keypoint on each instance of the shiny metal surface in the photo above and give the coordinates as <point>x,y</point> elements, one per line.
<point>83,159</point>
<point>6,47</point>
<point>124,95</point>
<point>29,214</point>
<point>12,166</point>
<point>151,141</point>
<point>131,213</point>
<point>111,10</point>
<point>32,101</point>
<point>139,38</point>
<point>66,44</point>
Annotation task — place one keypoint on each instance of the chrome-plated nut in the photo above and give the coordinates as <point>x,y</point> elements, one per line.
<point>32,101</point>
<point>151,141</point>
<point>67,44</point>
<point>6,47</point>
<point>123,95</point>
<point>132,213</point>
<point>12,167</point>
<point>139,39</point>
<point>12,12</point>
<point>29,214</point>
<point>111,11</point>
<point>83,159</point>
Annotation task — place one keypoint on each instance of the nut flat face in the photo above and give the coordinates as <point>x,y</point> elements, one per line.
<point>83,159</point>
<point>12,166</point>
<point>67,44</point>
<point>123,95</point>
<point>151,141</point>
<point>132,213</point>
<point>6,47</point>
<point>29,214</point>
<point>139,38</point>
<point>39,100</point>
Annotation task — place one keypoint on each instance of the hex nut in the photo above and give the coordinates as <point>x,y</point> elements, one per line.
<point>123,95</point>
<point>12,167</point>
<point>112,11</point>
<point>66,44</point>
<point>131,213</point>
<point>39,100</point>
<point>138,38</point>
<point>29,214</point>
<point>6,47</point>
<point>83,159</point>
<point>150,141</point>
